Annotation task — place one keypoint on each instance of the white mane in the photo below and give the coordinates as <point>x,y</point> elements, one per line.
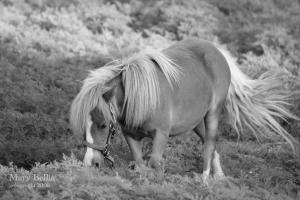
<point>142,90</point>
<point>140,81</point>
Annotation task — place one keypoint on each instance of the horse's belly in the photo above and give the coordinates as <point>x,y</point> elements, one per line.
<point>190,103</point>
<point>185,122</point>
<point>180,130</point>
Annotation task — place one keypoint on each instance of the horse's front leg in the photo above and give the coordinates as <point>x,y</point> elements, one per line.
<point>136,150</point>
<point>159,143</point>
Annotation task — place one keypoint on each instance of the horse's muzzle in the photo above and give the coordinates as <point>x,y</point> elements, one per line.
<point>93,158</point>
<point>97,161</point>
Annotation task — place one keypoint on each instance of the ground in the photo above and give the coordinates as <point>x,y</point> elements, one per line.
<point>46,50</point>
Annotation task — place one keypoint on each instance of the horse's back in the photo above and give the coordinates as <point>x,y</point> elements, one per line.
<point>206,56</point>
<point>206,79</point>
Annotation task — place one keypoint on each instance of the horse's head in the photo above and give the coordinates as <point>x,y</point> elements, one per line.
<point>96,149</point>
<point>96,130</point>
<point>101,127</point>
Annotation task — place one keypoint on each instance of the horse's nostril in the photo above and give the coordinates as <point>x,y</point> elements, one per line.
<point>96,163</point>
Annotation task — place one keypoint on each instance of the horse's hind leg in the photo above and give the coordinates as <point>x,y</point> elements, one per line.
<point>216,164</point>
<point>218,172</point>
<point>200,131</point>
<point>211,132</point>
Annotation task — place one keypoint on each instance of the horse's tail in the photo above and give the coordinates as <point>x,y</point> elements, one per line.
<point>257,103</point>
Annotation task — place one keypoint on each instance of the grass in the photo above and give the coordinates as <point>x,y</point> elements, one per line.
<point>265,172</point>
<point>46,50</point>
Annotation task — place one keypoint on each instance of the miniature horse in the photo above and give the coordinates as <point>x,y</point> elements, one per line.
<point>182,88</point>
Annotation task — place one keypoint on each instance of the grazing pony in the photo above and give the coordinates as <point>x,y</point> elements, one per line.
<point>182,88</point>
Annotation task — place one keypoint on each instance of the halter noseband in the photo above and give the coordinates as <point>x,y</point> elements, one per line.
<point>112,131</point>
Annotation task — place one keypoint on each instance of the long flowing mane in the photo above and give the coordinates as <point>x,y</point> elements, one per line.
<point>142,90</point>
<point>140,81</point>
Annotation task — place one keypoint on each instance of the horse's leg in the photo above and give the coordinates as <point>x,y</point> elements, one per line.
<point>211,132</point>
<point>216,164</point>
<point>200,130</point>
<point>218,172</point>
<point>136,150</point>
<point>159,142</point>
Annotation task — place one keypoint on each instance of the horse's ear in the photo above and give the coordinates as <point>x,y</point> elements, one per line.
<point>111,85</point>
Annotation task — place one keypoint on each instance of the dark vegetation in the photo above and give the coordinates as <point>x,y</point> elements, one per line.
<point>47,48</point>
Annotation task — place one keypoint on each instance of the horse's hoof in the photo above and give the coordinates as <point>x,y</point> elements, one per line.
<point>134,165</point>
<point>219,176</point>
<point>155,164</point>
<point>205,178</point>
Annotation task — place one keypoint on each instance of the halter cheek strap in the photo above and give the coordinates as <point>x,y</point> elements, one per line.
<point>112,131</point>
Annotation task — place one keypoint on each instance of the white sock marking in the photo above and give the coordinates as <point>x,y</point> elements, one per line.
<point>217,165</point>
<point>89,154</point>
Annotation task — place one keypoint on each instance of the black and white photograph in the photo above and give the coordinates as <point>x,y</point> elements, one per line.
<point>150,99</point>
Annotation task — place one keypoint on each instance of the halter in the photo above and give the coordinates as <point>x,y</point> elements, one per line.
<point>112,131</point>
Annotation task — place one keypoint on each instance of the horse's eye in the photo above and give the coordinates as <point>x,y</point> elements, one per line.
<point>102,126</point>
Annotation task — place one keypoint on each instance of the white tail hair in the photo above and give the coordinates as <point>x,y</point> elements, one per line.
<point>257,103</point>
